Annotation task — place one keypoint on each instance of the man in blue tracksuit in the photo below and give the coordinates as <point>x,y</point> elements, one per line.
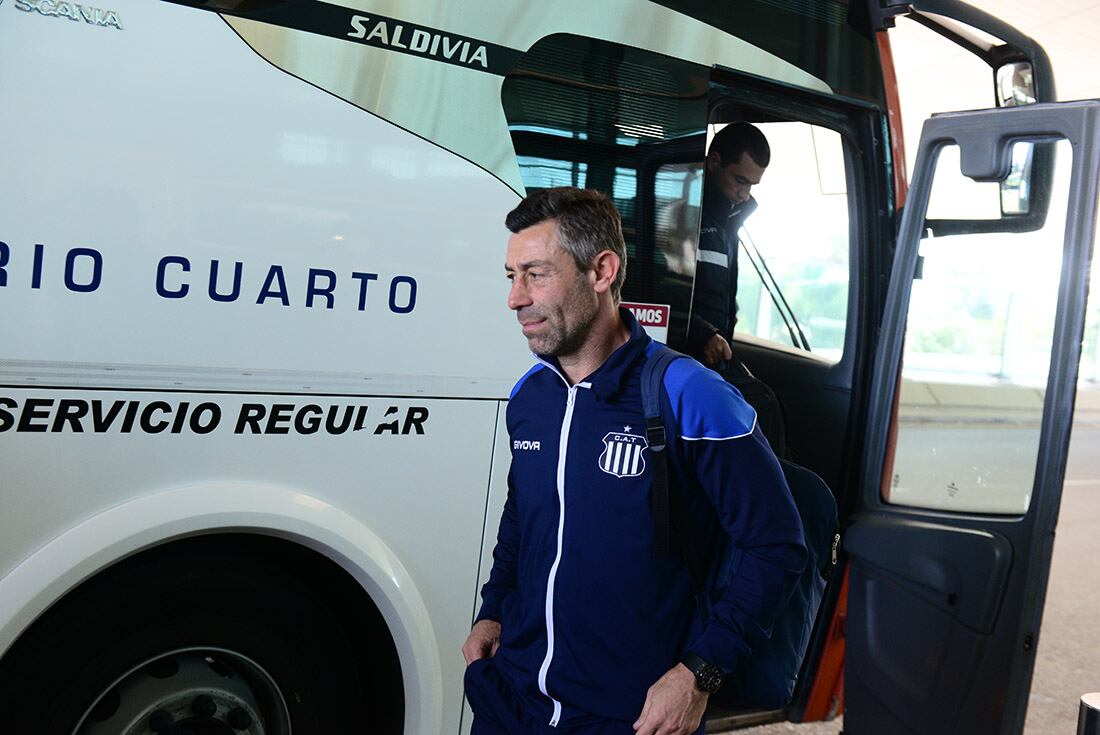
<point>583,629</point>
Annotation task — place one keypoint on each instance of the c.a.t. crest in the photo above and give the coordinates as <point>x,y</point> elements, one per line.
<point>623,453</point>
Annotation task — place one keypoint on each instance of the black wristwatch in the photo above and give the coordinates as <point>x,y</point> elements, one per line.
<point>708,677</point>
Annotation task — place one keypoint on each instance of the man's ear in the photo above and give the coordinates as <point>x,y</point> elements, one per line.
<point>714,161</point>
<point>605,267</point>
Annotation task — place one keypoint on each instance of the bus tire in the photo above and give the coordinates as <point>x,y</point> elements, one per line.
<point>244,646</point>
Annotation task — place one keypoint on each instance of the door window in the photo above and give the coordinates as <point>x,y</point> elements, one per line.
<point>793,262</point>
<point>977,351</point>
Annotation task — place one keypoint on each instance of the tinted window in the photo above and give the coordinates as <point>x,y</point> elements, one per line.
<point>815,36</point>
<point>978,344</point>
<point>793,261</point>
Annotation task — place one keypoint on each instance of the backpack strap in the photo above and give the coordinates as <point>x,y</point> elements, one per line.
<point>653,376</point>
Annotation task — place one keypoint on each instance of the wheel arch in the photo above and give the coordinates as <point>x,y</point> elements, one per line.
<point>306,528</point>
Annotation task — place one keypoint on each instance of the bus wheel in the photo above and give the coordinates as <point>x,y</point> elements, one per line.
<point>190,644</point>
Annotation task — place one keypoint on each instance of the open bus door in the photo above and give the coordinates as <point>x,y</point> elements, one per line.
<point>950,547</point>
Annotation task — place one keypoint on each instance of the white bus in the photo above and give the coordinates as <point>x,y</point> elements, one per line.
<point>255,355</point>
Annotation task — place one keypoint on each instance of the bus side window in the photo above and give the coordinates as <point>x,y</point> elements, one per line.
<point>678,195</point>
<point>595,114</point>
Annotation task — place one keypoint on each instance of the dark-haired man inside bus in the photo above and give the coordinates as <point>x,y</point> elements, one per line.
<point>736,161</point>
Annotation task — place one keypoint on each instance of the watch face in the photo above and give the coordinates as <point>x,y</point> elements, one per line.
<point>709,678</point>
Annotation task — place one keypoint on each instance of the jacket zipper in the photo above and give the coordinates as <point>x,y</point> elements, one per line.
<point>563,443</point>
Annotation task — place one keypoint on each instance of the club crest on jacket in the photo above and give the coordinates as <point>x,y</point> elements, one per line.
<point>623,453</point>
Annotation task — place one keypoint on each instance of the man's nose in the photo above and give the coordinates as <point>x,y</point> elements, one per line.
<point>517,295</point>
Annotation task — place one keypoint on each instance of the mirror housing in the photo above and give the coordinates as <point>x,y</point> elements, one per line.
<point>1022,75</point>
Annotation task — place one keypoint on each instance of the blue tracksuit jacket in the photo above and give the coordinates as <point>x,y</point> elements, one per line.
<point>590,617</point>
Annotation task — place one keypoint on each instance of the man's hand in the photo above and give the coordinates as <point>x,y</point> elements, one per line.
<point>673,706</point>
<point>716,350</point>
<point>484,640</point>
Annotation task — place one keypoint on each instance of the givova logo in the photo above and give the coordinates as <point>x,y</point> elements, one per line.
<point>72,11</point>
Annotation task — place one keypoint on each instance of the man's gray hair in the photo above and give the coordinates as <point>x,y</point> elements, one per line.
<point>587,223</point>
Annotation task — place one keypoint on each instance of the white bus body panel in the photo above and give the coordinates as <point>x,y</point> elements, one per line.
<point>150,519</point>
<point>173,139</point>
<point>137,156</point>
<point>403,514</point>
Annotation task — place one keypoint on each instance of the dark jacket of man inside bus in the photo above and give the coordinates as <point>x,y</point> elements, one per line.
<point>736,161</point>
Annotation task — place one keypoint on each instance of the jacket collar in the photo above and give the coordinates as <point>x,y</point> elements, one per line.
<point>715,202</point>
<point>718,207</point>
<point>608,379</point>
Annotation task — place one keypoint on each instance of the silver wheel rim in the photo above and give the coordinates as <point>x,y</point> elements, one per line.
<point>201,690</point>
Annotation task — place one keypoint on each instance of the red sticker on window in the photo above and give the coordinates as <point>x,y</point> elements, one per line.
<point>650,315</point>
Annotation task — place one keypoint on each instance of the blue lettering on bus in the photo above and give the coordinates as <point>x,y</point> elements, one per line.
<point>84,272</point>
<point>312,289</point>
<point>238,268</point>
<point>70,270</point>
<point>36,268</point>
<point>364,280</point>
<point>185,266</point>
<point>275,273</point>
<point>410,302</point>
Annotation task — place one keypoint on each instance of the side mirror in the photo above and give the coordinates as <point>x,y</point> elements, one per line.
<point>1015,83</point>
<point>1031,162</point>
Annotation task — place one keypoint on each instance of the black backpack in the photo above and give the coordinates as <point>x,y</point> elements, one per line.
<point>759,395</point>
<point>765,679</point>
